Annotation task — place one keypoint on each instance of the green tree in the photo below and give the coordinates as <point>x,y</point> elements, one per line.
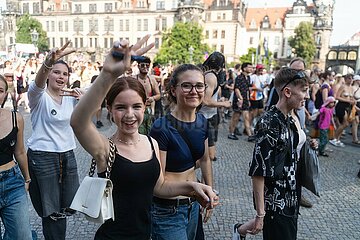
<point>25,25</point>
<point>177,42</point>
<point>249,56</point>
<point>303,42</point>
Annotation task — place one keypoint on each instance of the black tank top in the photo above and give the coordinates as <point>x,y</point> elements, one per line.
<point>7,144</point>
<point>134,183</point>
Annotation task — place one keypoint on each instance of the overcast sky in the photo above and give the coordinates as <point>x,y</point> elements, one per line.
<point>346,19</point>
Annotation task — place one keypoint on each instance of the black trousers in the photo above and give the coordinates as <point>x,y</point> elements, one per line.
<point>279,227</point>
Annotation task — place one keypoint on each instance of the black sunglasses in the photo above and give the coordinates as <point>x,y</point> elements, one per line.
<point>299,75</point>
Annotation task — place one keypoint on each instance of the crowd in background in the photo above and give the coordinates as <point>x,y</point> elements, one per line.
<point>238,96</point>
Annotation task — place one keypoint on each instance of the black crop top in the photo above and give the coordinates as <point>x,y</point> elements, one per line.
<point>134,184</point>
<point>7,144</point>
<point>178,154</point>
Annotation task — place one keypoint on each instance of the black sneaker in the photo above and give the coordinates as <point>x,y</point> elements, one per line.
<point>252,138</point>
<point>237,132</point>
<point>233,137</point>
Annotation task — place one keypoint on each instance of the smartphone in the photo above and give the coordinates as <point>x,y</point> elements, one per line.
<point>120,56</point>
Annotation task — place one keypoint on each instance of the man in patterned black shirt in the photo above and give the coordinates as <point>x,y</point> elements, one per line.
<point>273,168</point>
<point>241,101</point>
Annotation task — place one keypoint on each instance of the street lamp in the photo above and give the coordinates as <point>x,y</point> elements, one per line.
<point>34,38</point>
<point>191,52</point>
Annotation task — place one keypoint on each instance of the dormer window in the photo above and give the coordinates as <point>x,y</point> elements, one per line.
<point>278,23</point>
<point>253,23</point>
<point>266,22</point>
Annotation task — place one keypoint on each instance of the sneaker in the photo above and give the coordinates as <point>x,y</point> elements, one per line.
<point>324,154</point>
<point>340,144</point>
<point>334,142</point>
<point>252,138</point>
<point>305,203</point>
<point>233,137</point>
<point>237,132</point>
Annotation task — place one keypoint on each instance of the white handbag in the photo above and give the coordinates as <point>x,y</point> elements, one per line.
<point>94,196</point>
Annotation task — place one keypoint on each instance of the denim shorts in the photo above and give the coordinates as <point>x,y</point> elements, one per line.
<point>14,207</point>
<point>174,222</point>
<point>54,181</point>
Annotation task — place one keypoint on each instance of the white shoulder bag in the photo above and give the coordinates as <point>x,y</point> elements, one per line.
<point>94,196</point>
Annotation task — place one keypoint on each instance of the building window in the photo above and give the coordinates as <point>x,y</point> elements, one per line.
<point>318,39</point>
<point>61,28</point>
<point>224,16</point>
<point>342,55</point>
<point>146,25</point>
<point>222,48</point>
<point>109,25</point>
<point>157,24</point>
<point>53,42</point>
<point>76,42</point>
<point>121,25</point>
<point>332,55</point>
<point>77,8</point>
<point>208,17</point>
<point>207,34</point>
<point>108,7</point>
<point>65,7</point>
<point>277,40</point>
<point>278,23</point>
<point>222,33</point>
<point>81,42</point>
<point>352,55</point>
<point>53,26</point>
<point>95,42</point>
<point>218,16</point>
<point>93,25</point>
<point>78,25</point>
<point>25,7</point>
<point>139,24</point>
<point>36,7</point>
<point>164,24</point>
<point>90,42</point>
<point>266,22</point>
<point>160,5</point>
<point>66,24</point>
<point>105,43</point>
<point>157,43</point>
<point>48,26</point>
<point>215,34</point>
<point>141,4</point>
<point>222,3</point>
<point>127,25</point>
<point>92,8</point>
<point>61,41</point>
<point>251,40</point>
<point>253,23</point>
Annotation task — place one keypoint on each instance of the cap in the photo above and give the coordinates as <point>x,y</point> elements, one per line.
<point>259,66</point>
<point>329,100</point>
<point>338,75</point>
<point>8,74</point>
<point>356,78</point>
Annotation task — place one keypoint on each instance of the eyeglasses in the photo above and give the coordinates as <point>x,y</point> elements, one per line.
<point>188,87</point>
<point>299,75</point>
<point>142,65</point>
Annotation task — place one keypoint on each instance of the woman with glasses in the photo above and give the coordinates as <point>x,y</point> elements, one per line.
<point>182,137</point>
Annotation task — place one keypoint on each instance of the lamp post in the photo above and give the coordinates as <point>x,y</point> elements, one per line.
<point>191,52</point>
<point>34,39</point>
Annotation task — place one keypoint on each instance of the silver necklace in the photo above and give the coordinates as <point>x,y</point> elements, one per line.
<point>128,143</point>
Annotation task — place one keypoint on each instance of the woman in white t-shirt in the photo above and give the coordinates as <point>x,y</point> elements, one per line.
<point>52,163</point>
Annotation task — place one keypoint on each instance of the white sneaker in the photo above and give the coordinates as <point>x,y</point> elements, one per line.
<point>334,142</point>
<point>340,144</point>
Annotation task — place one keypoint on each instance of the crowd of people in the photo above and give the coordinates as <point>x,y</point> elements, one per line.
<point>167,123</point>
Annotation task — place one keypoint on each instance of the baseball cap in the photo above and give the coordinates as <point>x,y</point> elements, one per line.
<point>259,66</point>
<point>356,78</point>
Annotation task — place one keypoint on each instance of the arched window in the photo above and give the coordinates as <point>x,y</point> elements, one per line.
<point>352,55</point>
<point>253,23</point>
<point>332,55</point>
<point>342,55</point>
<point>278,23</point>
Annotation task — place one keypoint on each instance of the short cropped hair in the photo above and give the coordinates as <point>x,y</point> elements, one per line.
<point>288,76</point>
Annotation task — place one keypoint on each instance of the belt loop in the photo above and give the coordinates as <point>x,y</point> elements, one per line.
<point>177,202</point>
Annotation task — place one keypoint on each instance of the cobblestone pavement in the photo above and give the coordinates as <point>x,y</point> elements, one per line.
<point>335,215</point>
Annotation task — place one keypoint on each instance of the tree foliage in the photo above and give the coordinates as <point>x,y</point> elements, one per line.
<point>177,42</point>
<point>248,57</point>
<point>303,42</point>
<point>25,25</point>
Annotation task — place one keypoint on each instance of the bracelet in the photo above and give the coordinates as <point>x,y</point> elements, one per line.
<point>240,99</point>
<point>28,181</point>
<point>46,66</point>
<point>260,216</point>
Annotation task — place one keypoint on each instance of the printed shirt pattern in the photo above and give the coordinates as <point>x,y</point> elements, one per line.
<point>273,160</point>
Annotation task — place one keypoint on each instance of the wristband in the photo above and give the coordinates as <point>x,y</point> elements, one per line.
<point>260,216</point>
<point>28,181</point>
<point>46,66</point>
<point>240,99</point>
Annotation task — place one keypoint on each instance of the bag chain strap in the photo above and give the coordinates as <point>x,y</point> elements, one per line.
<point>109,162</point>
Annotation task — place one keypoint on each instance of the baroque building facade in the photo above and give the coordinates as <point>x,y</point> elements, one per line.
<point>229,26</point>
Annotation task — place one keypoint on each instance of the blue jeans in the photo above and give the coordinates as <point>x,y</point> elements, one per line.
<point>174,222</point>
<point>14,208</point>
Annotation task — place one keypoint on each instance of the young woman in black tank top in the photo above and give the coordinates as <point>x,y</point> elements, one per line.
<point>136,172</point>
<point>14,209</point>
